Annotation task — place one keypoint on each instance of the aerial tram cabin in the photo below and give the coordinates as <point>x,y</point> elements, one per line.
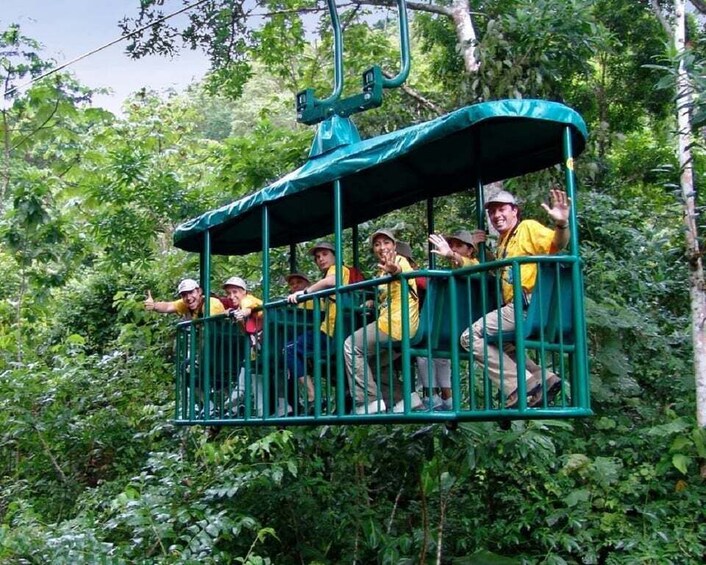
<point>230,373</point>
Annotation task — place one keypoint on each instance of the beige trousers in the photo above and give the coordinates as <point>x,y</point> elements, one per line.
<point>358,351</point>
<point>490,356</point>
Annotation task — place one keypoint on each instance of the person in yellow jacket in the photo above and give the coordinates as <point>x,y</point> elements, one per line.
<point>190,304</point>
<point>373,338</point>
<point>298,351</point>
<point>518,238</point>
<point>459,248</point>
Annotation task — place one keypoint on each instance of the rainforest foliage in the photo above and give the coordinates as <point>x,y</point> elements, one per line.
<point>93,471</point>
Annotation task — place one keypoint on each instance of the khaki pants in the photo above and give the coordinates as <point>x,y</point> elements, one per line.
<point>490,356</point>
<point>358,349</point>
<point>440,372</point>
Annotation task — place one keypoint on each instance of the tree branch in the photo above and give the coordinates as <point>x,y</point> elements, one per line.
<point>416,6</point>
<point>39,128</point>
<point>654,4</point>
<point>418,97</point>
<point>700,5</point>
<point>47,451</point>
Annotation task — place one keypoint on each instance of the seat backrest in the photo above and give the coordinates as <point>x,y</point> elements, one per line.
<point>560,324</point>
<point>426,314</point>
<point>474,295</point>
<point>542,301</point>
<point>550,311</point>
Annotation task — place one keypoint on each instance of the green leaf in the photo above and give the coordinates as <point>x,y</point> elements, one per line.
<point>577,496</point>
<point>681,462</point>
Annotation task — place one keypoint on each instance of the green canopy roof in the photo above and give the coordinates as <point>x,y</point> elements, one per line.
<point>493,140</point>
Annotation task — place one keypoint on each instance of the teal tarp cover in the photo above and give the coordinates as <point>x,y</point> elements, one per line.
<point>491,141</point>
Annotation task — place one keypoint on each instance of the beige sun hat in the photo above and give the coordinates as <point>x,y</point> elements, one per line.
<point>385,232</point>
<point>322,245</point>
<point>187,285</point>
<point>297,275</point>
<point>464,236</point>
<point>404,249</point>
<point>501,197</point>
<point>236,281</point>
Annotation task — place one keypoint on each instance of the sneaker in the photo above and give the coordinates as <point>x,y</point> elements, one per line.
<point>415,401</point>
<point>432,403</point>
<point>446,405</point>
<point>533,385</point>
<point>551,389</point>
<point>312,407</point>
<point>374,407</point>
<point>212,412</point>
<point>235,406</point>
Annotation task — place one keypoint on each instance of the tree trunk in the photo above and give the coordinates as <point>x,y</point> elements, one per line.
<point>459,12</point>
<point>697,288</point>
<point>5,173</point>
<point>466,34</point>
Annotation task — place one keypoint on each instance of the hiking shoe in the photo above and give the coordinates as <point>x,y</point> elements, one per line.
<point>312,407</point>
<point>415,401</point>
<point>447,404</point>
<point>211,414</point>
<point>374,407</point>
<point>551,389</point>
<point>432,403</point>
<point>533,386</point>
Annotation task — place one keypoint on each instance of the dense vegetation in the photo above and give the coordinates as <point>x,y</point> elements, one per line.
<point>91,468</point>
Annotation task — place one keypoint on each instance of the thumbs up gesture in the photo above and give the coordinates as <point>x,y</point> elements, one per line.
<point>149,301</point>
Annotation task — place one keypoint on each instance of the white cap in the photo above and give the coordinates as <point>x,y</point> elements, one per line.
<point>501,197</point>
<point>187,285</point>
<point>236,281</point>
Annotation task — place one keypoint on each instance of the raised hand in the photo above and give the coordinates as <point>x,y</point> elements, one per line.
<point>387,262</point>
<point>441,246</point>
<point>149,301</point>
<point>477,236</point>
<point>560,206</point>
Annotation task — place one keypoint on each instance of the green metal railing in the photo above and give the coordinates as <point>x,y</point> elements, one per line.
<point>226,377</point>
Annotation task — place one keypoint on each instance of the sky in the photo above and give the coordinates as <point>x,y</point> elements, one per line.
<point>70,28</point>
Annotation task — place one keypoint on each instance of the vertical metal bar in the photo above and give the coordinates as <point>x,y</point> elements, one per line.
<point>406,372</point>
<point>206,273</point>
<point>405,58</point>
<point>207,330</point>
<point>193,341</point>
<point>468,288</point>
<point>518,301</point>
<point>354,245</point>
<point>455,357</point>
<point>430,227</point>
<point>480,215</point>
<point>582,376</point>
<point>179,372</point>
<point>338,334</point>
<point>570,181</point>
<point>267,334</point>
<point>292,258</point>
<point>337,56</point>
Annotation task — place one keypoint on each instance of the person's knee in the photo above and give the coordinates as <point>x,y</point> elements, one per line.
<point>472,338</point>
<point>465,339</point>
